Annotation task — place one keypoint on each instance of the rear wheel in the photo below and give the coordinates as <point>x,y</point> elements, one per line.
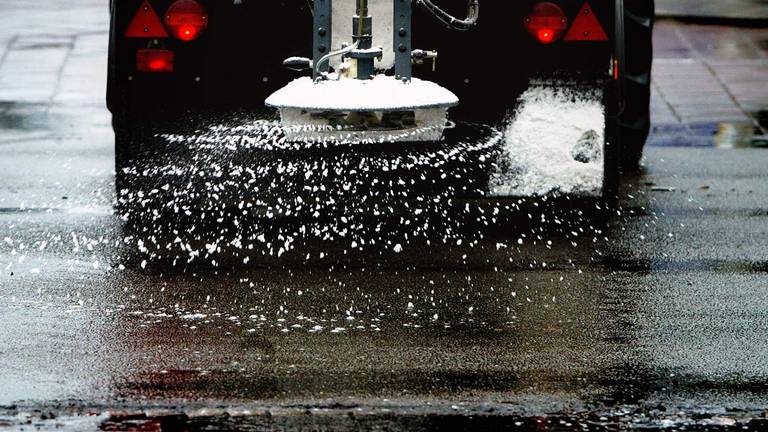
<point>635,122</point>
<point>123,140</point>
<point>612,163</point>
<point>129,140</point>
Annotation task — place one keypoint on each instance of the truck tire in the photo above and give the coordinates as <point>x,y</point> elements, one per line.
<point>128,141</point>
<point>635,121</point>
<point>612,164</point>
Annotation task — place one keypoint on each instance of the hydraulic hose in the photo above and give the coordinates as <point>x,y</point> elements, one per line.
<point>332,54</point>
<point>473,12</point>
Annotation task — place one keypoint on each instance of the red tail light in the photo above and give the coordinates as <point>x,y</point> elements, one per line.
<point>154,60</point>
<point>186,19</point>
<point>547,22</point>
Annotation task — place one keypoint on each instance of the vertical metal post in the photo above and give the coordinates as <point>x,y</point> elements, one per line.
<point>402,39</point>
<point>323,34</point>
<point>362,34</point>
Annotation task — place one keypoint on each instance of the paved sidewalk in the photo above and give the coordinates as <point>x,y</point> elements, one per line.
<point>53,51</point>
<point>717,9</point>
<point>710,84</point>
<point>709,80</point>
<point>53,62</point>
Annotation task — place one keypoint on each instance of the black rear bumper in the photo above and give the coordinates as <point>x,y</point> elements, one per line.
<point>238,61</point>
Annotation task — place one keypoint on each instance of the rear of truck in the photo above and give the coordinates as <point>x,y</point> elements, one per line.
<point>174,62</point>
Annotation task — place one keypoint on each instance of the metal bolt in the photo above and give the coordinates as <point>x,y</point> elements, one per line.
<point>402,48</point>
<point>322,32</point>
<point>321,48</point>
<point>403,32</point>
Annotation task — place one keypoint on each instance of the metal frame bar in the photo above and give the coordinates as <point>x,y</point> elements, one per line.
<point>323,35</point>
<point>402,26</point>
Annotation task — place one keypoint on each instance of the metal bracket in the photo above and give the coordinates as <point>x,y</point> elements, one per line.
<point>402,26</point>
<point>323,33</point>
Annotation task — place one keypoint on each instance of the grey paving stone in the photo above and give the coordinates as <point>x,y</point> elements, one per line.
<point>31,68</point>
<point>53,17</point>
<point>82,78</point>
<point>739,9</point>
<point>712,77</point>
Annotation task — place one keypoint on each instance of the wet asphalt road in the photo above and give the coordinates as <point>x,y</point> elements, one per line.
<point>656,317</point>
<point>136,318</point>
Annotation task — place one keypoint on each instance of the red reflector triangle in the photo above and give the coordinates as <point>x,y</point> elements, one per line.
<point>586,27</point>
<point>146,24</point>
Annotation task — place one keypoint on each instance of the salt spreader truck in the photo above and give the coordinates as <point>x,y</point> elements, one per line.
<point>376,70</point>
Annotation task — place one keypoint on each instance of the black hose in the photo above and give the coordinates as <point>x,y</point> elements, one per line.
<point>473,12</point>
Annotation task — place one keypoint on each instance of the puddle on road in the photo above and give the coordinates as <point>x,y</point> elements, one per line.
<point>744,135</point>
<point>27,117</point>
